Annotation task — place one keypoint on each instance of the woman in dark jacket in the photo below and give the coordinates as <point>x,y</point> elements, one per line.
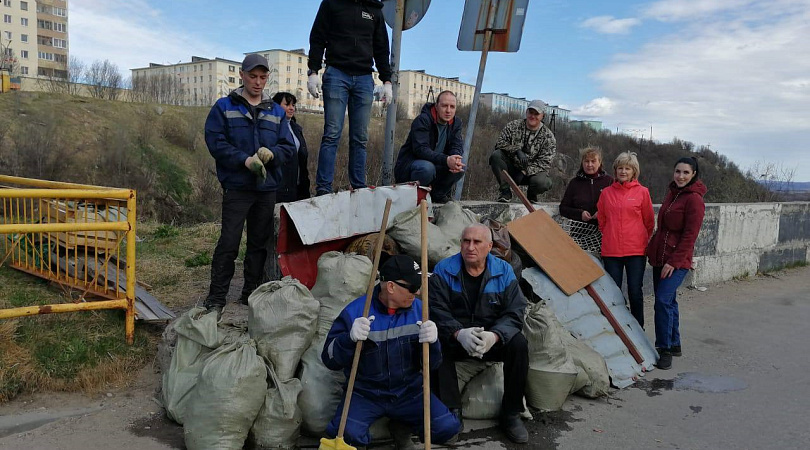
<point>582,193</point>
<point>295,178</point>
<point>670,253</point>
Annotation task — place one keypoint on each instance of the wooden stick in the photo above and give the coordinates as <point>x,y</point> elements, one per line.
<point>425,317</point>
<point>366,308</point>
<point>617,327</point>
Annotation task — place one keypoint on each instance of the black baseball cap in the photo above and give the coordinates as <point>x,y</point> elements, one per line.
<point>253,61</point>
<point>402,267</point>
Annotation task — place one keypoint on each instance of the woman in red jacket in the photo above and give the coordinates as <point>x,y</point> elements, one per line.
<point>670,253</point>
<point>626,219</point>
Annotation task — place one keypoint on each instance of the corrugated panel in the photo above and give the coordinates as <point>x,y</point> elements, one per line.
<point>580,315</point>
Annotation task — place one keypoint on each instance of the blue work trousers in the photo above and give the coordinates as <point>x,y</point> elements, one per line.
<point>407,409</point>
<point>439,178</point>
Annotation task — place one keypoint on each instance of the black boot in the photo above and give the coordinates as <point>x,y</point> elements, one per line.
<point>514,429</point>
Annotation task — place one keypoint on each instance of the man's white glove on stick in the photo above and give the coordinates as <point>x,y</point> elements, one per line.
<point>361,328</point>
<point>428,332</point>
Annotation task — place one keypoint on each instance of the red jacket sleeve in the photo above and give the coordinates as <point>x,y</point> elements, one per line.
<point>647,214</point>
<point>694,211</point>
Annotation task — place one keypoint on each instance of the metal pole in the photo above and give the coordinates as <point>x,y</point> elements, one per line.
<point>129,322</point>
<point>493,6</point>
<point>391,113</point>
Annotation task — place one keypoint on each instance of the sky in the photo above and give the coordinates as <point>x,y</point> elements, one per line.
<point>733,75</point>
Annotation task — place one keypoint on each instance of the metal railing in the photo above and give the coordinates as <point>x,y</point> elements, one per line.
<point>72,235</point>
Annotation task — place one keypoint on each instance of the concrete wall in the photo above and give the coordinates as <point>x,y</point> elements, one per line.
<point>736,239</point>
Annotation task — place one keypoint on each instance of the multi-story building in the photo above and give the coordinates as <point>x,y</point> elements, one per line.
<point>556,113</point>
<point>595,125</point>
<point>199,82</point>
<point>503,103</point>
<point>417,87</point>
<point>34,37</point>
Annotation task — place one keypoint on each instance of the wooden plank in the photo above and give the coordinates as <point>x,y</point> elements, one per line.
<point>554,251</point>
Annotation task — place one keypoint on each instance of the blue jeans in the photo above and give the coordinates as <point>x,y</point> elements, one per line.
<point>438,177</point>
<point>339,91</point>
<point>667,334</point>
<point>634,266</point>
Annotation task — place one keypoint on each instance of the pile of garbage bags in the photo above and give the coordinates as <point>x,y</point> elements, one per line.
<point>262,381</point>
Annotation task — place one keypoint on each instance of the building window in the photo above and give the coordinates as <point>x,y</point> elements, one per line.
<point>24,6</point>
<point>24,70</point>
<point>59,43</point>
<point>231,69</point>
<point>23,21</point>
<point>289,57</point>
<point>300,60</point>
<point>231,80</point>
<point>46,56</point>
<point>7,35</point>
<point>209,66</point>
<point>6,18</point>
<point>23,38</point>
<point>210,78</point>
<point>60,27</point>
<point>7,3</point>
<point>61,12</point>
<point>24,54</point>
<point>289,69</point>
<point>288,81</point>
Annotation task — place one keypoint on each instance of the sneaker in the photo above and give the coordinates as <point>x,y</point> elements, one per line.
<point>401,434</point>
<point>664,359</point>
<point>514,429</point>
<point>676,350</point>
<point>505,197</point>
<point>451,442</point>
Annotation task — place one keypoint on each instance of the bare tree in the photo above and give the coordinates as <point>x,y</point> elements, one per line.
<point>157,88</point>
<point>104,79</point>
<point>75,75</point>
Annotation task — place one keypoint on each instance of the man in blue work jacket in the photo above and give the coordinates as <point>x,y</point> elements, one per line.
<point>389,378</point>
<point>248,136</point>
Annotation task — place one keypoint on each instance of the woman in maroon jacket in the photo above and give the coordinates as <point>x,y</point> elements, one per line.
<point>582,193</point>
<point>670,253</point>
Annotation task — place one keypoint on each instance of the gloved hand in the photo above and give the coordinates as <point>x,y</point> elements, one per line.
<point>522,158</point>
<point>360,328</point>
<point>254,164</point>
<point>428,332</point>
<point>488,339</point>
<point>469,339</point>
<point>387,93</point>
<point>265,155</point>
<point>314,85</point>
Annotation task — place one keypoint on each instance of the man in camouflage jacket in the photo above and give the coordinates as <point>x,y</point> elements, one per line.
<point>525,149</point>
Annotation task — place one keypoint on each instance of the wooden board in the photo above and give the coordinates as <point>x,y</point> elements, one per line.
<point>554,251</point>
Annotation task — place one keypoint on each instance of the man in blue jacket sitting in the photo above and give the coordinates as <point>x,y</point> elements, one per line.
<point>389,378</point>
<point>477,304</point>
<point>432,152</point>
<point>248,136</point>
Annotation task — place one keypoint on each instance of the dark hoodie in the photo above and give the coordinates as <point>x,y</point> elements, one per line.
<point>582,194</point>
<point>352,32</point>
<point>679,221</point>
<point>421,142</point>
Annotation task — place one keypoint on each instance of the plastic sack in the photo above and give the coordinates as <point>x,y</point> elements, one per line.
<point>406,229</point>
<point>197,336</point>
<point>482,396</point>
<point>552,372</point>
<point>281,320</point>
<point>341,279</point>
<point>225,403</point>
<point>452,219</point>
<point>591,366</point>
<point>322,390</point>
<point>279,421</point>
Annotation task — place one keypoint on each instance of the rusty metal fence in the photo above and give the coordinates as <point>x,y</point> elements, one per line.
<point>80,237</point>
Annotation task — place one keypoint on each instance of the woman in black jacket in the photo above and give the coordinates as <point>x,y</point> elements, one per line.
<point>295,178</point>
<point>582,193</point>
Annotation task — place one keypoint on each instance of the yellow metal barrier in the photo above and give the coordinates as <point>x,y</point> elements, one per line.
<point>71,234</point>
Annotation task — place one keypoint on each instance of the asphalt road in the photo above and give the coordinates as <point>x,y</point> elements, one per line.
<point>742,383</point>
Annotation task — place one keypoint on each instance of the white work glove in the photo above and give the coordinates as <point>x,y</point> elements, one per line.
<point>314,85</point>
<point>428,332</point>
<point>387,93</point>
<point>265,155</point>
<point>469,339</point>
<point>254,164</point>
<point>360,328</point>
<point>488,339</point>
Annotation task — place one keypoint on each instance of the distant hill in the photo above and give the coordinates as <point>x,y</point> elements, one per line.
<point>787,186</point>
<point>160,151</point>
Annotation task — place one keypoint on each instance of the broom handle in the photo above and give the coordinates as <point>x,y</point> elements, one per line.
<point>366,308</point>
<point>425,317</point>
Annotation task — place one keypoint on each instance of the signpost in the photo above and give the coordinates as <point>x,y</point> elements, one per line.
<point>400,15</point>
<point>487,25</point>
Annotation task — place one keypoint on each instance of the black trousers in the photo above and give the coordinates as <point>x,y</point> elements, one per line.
<point>238,207</point>
<point>515,357</point>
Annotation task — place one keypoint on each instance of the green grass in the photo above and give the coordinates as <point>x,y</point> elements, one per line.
<point>200,259</point>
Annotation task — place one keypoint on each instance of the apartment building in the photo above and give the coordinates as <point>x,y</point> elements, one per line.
<point>34,37</point>
<point>417,87</point>
<point>199,82</point>
<point>503,103</point>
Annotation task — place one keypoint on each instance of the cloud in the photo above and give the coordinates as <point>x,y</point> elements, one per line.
<point>131,34</point>
<point>732,81</point>
<point>610,25</point>
<point>597,107</point>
